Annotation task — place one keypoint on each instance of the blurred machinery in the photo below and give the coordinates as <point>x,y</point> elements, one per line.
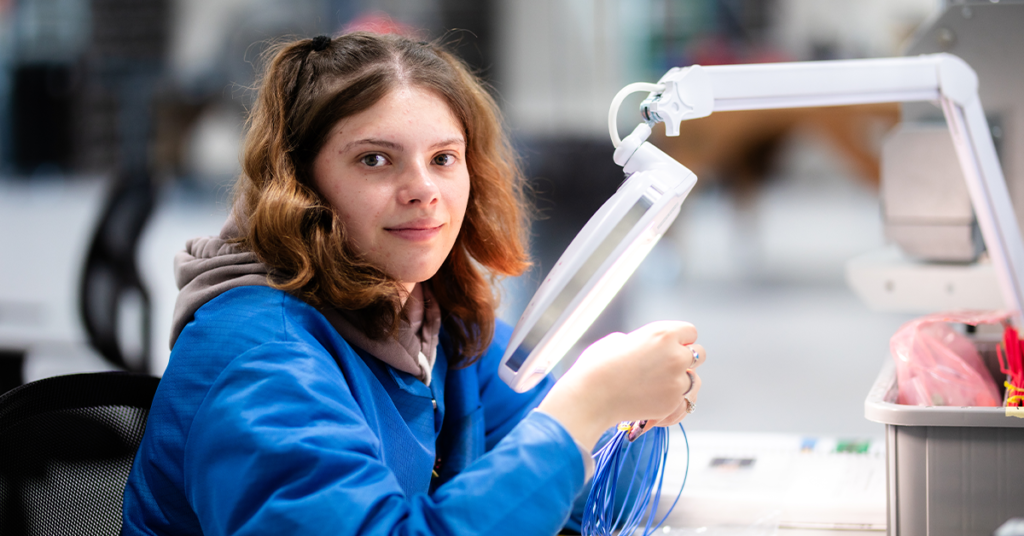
<point>927,212</point>
<point>938,260</point>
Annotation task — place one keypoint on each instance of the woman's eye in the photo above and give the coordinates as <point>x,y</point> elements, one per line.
<point>374,160</point>
<point>444,159</point>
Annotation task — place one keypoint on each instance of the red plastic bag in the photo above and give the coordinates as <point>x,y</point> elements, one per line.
<point>936,366</point>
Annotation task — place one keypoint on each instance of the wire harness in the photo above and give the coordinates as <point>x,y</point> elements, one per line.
<point>600,517</point>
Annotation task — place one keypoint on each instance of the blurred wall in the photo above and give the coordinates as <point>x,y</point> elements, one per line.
<point>560,62</point>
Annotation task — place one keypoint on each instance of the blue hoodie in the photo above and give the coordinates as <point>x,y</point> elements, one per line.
<point>266,421</point>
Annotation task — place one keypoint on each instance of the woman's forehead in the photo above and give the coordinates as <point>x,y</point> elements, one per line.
<point>404,115</point>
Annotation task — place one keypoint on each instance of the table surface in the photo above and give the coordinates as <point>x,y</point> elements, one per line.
<point>762,483</point>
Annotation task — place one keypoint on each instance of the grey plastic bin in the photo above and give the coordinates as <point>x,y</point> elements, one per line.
<point>956,471</point>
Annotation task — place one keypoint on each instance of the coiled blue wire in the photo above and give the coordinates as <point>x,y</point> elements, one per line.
<point>599,515</point>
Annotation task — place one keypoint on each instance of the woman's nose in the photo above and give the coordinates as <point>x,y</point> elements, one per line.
<point>420,187</point>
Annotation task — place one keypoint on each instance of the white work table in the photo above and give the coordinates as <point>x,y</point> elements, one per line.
<point>765,484</point>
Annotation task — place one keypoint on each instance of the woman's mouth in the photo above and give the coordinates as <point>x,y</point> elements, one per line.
<point>415,231</point>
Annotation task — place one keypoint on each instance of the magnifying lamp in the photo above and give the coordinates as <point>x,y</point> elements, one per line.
<point>597,262</point>
<point>622,232</point>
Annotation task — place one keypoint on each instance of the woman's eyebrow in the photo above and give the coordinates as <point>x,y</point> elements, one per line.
<point>396,146</point>
<point>373,141</point>
<point>449,142</point>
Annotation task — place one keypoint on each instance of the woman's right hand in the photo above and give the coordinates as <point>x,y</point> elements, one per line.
<point>641,375</point>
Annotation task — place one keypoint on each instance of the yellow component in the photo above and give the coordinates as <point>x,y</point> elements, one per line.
<point>1015,398</point>
<point>1015,412</point>
<point>624,426</point>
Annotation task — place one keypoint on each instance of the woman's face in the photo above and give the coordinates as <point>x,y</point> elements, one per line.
<point>396,175</point>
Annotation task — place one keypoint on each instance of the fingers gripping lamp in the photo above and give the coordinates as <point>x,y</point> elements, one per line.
<point>618,237</point>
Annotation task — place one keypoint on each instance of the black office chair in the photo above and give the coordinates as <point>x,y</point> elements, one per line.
<point>66,446</point>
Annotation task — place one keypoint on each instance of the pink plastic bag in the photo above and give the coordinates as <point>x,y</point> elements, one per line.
<point>936,366</point>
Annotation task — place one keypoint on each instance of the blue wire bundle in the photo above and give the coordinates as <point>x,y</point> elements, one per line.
<point>599,515</point>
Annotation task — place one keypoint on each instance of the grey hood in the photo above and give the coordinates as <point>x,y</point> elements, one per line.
<point>208,267</point>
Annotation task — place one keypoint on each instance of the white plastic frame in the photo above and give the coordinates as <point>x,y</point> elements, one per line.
<point>598,261</point>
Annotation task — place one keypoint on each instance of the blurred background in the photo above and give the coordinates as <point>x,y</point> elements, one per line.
<point>121,123</point>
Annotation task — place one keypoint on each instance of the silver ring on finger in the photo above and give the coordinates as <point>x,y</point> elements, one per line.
<point>690,405</point>
<point>696,357</point>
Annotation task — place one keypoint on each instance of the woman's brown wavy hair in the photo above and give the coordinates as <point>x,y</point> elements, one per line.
<point>306,88</point>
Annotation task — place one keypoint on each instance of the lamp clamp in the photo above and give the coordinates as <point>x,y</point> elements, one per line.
<point>688,94</point>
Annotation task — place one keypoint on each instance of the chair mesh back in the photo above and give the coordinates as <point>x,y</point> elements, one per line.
<point>66,447</point>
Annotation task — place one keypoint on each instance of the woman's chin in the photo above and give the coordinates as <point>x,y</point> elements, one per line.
<point>413,276</point>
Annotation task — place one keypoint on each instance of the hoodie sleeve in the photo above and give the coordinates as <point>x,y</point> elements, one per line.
<point>505,408</point>
<point>279,446</point>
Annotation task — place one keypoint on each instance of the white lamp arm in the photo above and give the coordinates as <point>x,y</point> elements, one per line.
<point>696,91</point>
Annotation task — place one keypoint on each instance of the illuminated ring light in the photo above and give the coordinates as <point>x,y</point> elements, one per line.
<point>594,267</point>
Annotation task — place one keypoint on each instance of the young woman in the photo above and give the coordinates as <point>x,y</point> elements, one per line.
<point>335,349</point>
